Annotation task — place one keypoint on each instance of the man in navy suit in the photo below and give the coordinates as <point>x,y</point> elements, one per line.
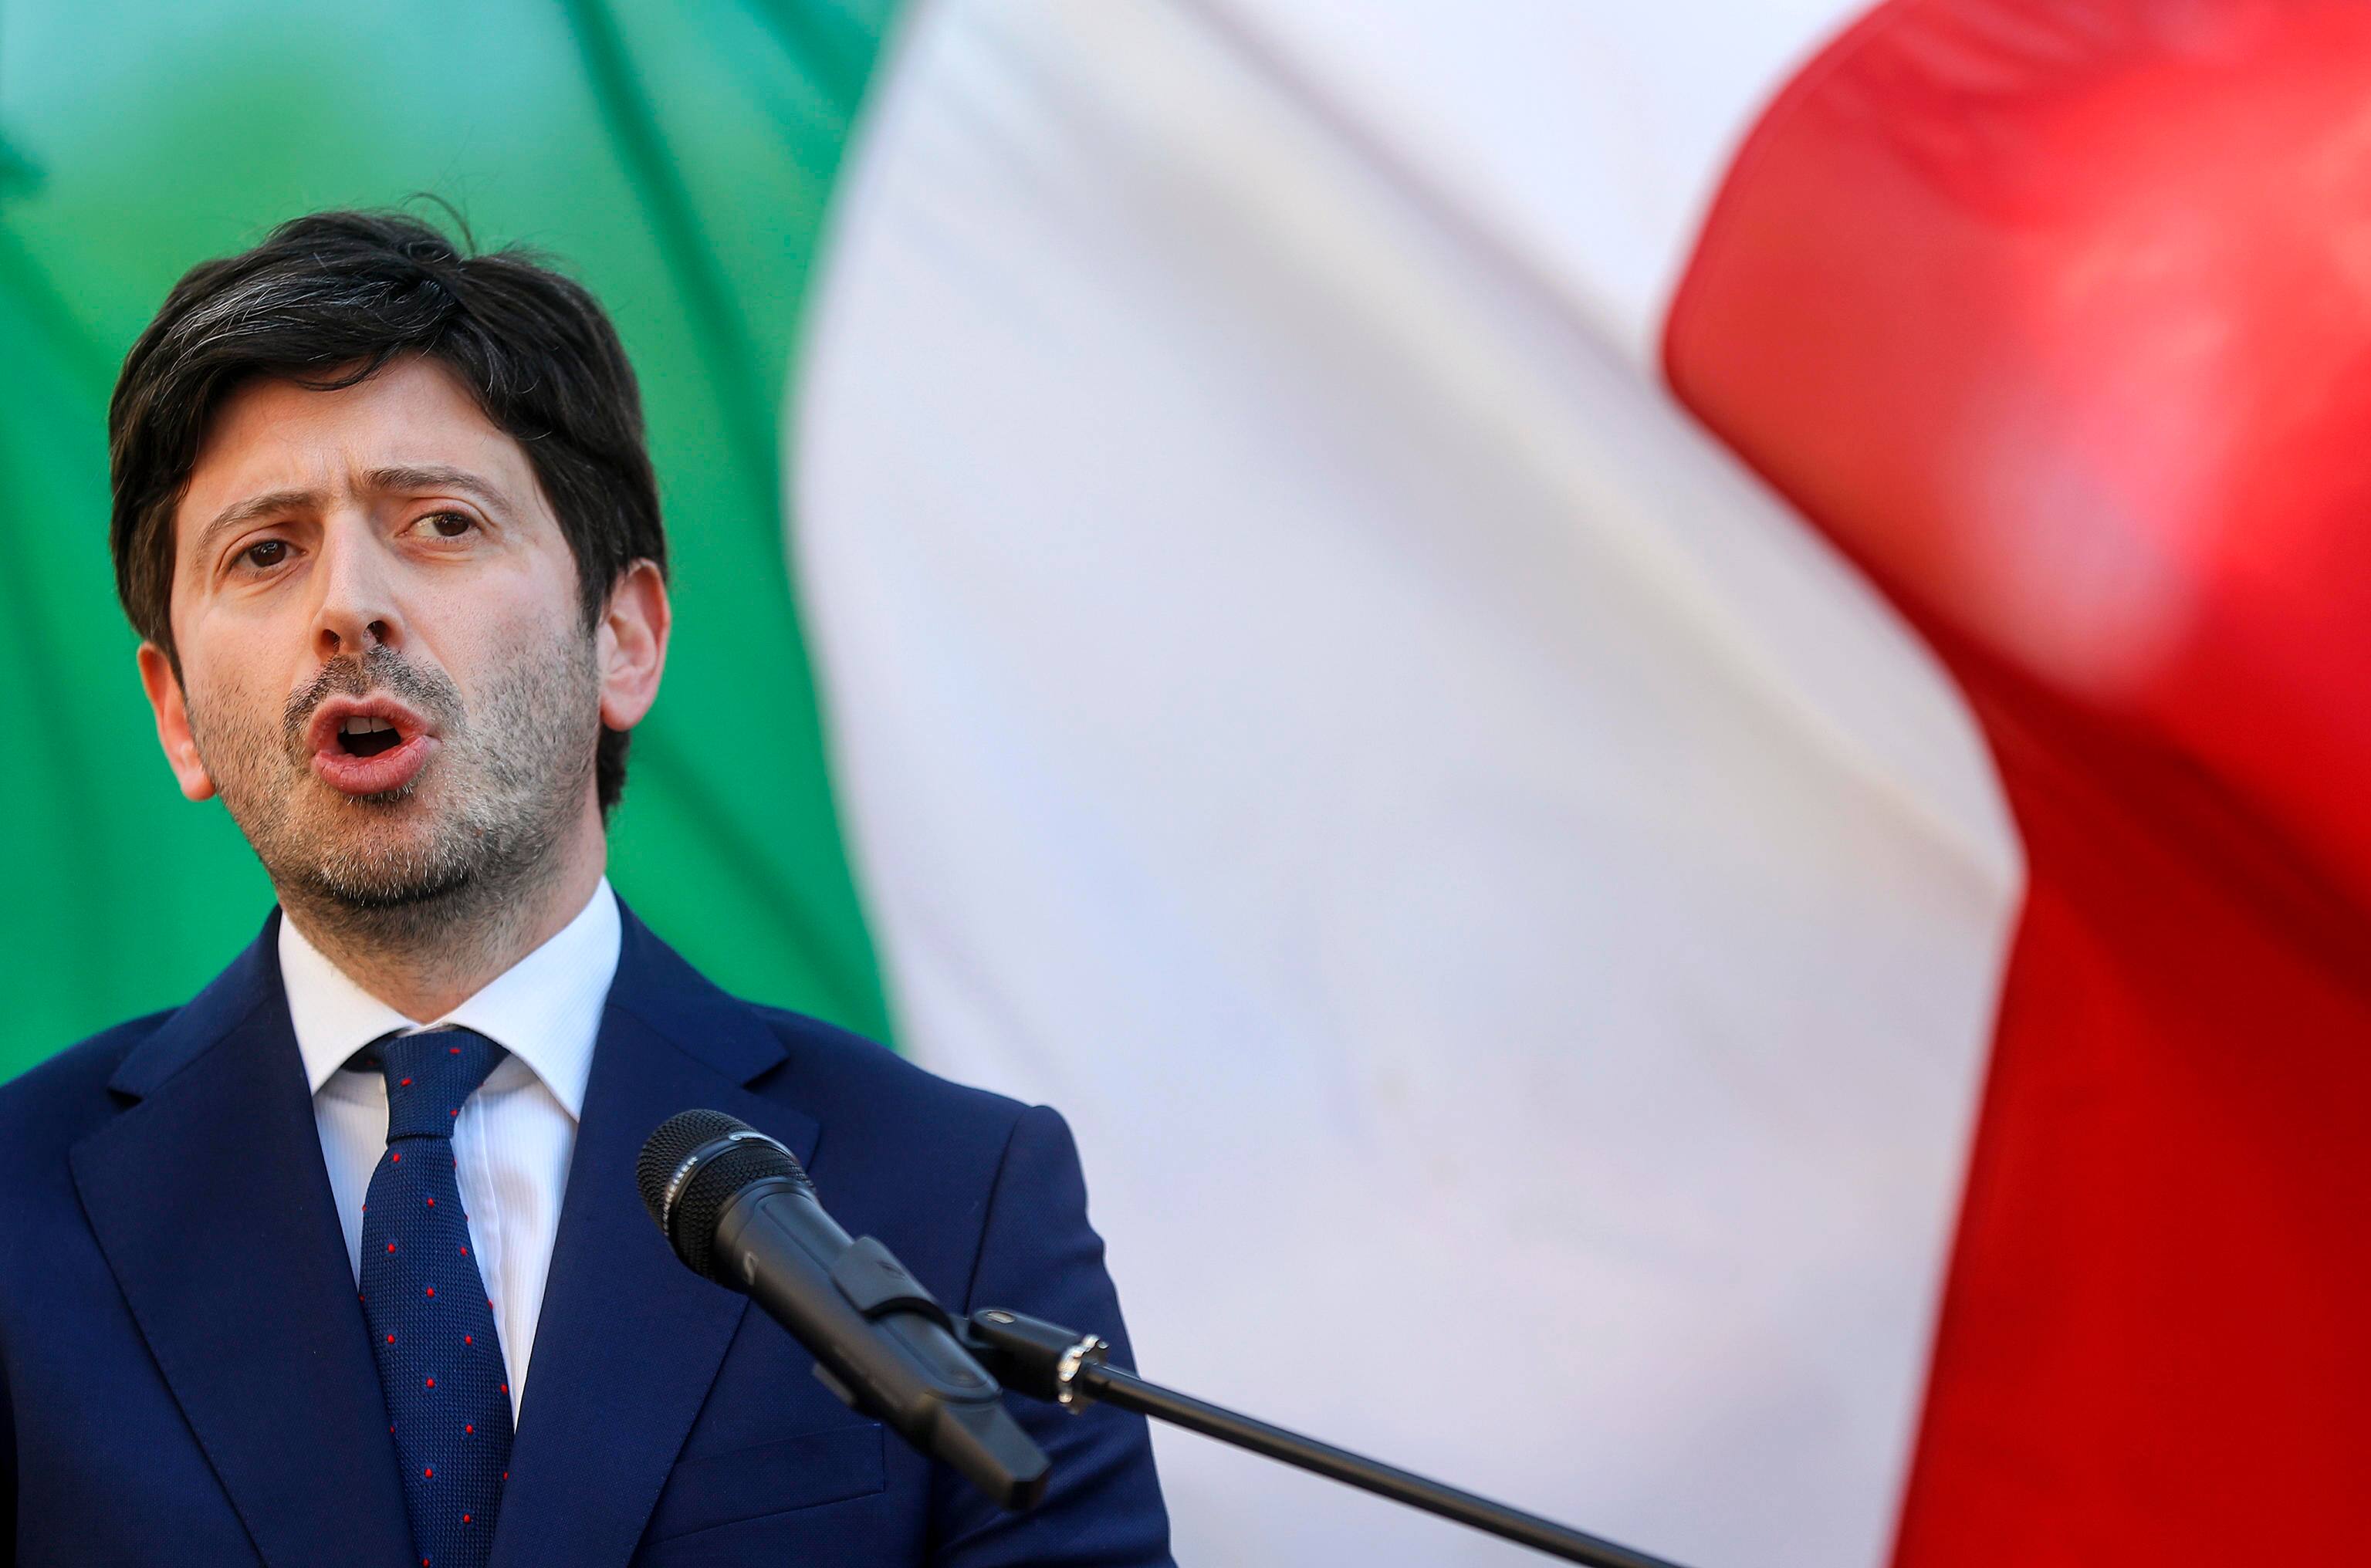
<point>385,525</point>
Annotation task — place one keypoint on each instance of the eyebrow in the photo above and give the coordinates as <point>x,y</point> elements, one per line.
<point>437,476</point>
<point>401,479</point>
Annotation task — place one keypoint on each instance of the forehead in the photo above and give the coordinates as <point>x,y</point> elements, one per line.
<point>273,436</point>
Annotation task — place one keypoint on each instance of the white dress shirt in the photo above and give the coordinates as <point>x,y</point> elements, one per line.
<point>513,1138</point>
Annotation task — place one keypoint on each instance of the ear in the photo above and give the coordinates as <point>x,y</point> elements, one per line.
<point>173,722</point>
<point>633,642</point>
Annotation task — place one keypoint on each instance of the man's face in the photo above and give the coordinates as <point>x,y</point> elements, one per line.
<point>383,670</point>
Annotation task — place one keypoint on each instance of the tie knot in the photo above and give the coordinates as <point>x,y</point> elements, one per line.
<point>428,1078</point>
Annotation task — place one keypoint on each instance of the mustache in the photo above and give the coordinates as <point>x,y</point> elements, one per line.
<point>381,668</point>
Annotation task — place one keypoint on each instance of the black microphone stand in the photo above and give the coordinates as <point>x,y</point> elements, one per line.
<point>1046,1361</point>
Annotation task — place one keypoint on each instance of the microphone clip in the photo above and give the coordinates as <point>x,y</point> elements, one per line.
<point>878,1286</point>
<point>1032,1356</point>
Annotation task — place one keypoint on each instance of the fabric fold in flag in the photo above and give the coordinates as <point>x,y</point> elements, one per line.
<point>1508,909</point>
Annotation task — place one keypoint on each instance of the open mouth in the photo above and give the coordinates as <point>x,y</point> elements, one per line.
<point>370,746</point>
<point>362,735</point>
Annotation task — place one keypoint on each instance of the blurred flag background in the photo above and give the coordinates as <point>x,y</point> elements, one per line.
<point>1652,714</point>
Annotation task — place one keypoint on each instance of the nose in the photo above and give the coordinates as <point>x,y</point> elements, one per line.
<point>358,606</point>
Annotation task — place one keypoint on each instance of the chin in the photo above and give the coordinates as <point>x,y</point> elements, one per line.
<point>386,865</point>
<point>358,889</point>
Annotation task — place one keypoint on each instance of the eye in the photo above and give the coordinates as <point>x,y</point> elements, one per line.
<point>264,554</point>
<point>446,525</point>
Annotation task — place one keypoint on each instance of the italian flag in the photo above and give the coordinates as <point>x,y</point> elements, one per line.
<point>1655,715</point>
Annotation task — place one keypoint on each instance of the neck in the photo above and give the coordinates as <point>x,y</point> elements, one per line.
<point>425,959</point>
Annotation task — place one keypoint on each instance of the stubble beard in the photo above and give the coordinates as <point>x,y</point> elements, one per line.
<point>451,862</point>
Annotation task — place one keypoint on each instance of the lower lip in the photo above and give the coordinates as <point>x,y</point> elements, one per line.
<point>390,769</point>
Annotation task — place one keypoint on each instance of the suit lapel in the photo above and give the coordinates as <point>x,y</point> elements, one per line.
<point>211,1203</point>
<point>629,1340</point>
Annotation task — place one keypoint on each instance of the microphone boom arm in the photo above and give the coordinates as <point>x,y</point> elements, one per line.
<point>1046,1361</point>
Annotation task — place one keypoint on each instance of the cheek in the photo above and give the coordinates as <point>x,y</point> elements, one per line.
<point>507,636</point>
<point>229,699</point>
<point>491,619</point>
<point>239,662</point>
<point>520,667</point>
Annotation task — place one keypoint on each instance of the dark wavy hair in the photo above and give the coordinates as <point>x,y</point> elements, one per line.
<point>326,302</point>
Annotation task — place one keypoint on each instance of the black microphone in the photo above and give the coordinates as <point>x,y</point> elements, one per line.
<point>736,1207</point>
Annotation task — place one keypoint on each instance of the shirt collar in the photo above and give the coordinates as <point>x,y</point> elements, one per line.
<point>545,1009</point>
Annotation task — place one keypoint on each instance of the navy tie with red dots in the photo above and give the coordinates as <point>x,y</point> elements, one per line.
<point>431,1326</point>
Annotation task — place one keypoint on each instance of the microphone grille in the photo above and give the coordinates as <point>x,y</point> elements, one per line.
<point>722,1169</point>
<point>670,1145</point>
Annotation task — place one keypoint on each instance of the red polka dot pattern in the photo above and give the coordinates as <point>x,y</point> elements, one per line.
<point>439,1355</point>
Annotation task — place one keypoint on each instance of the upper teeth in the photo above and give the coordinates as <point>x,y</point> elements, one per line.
<point>361,725</point>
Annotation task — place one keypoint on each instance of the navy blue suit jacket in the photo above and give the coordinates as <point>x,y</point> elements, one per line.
<point>184,1377</point>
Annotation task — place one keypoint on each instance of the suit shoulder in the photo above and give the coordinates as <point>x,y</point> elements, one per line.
<point>844,1067</point>
<point>71,1085</point>
<point>929,1165</point>
<point>49,1108</point>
